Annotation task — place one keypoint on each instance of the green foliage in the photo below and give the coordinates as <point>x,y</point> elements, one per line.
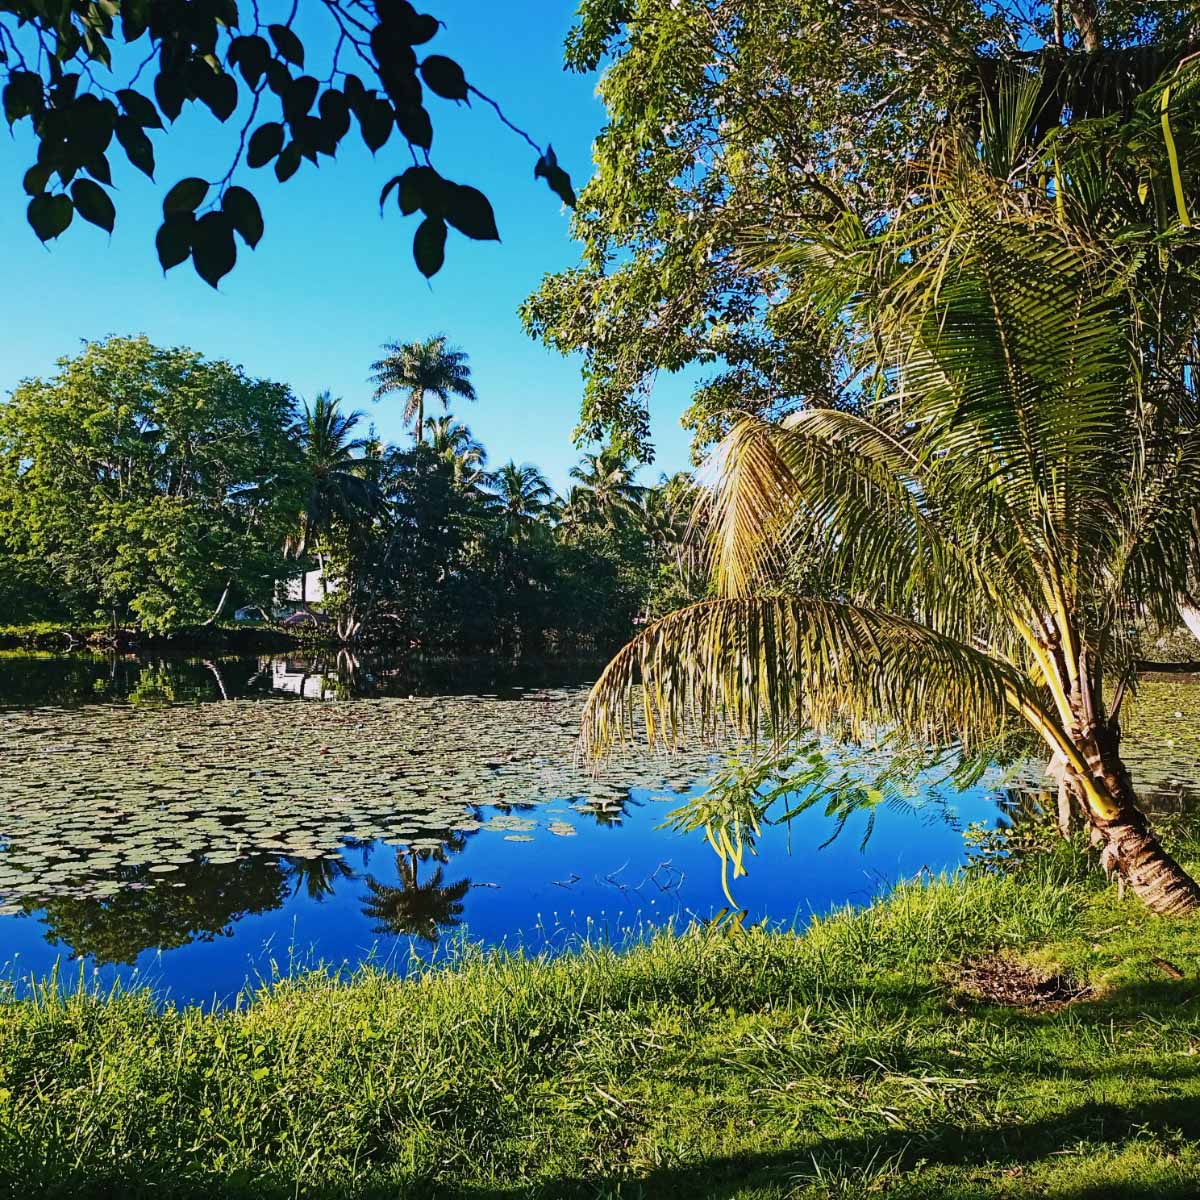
<point>731,122</point>
<point>136,484</point>
<point>151,487</point>
<point>69,71</point>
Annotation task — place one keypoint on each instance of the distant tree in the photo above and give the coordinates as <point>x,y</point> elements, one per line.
<point>140,483</point>
<point>72,72</point>
<point>330,476</point>
<point>420,370</point>
<point>607,493</point>
<point>520,497</point>
<point>456,444</point>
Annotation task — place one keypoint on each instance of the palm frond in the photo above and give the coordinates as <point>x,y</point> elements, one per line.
<point>773,666</point>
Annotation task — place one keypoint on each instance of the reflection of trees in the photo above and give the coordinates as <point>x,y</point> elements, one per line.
<point>416,908</point>
<point>195,903</point>
<point>317,876</point>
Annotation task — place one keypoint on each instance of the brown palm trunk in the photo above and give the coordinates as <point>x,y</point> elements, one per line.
<point>1132,849</point>
<point>1128,846</point>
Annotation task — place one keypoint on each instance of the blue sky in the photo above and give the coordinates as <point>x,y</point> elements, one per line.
<point>331,281</point>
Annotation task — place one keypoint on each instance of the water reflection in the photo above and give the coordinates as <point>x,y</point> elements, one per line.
<point>142,830</point>
<point>31,680</point>
<point>202,901</point>
<point>417,908</point>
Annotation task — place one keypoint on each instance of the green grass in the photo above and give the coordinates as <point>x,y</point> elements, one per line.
<point>840,1062</point>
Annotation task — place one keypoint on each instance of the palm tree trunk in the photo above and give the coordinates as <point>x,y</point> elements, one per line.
<point>1128,846</point>
<point>1132,849</point>
<point>420,418</point>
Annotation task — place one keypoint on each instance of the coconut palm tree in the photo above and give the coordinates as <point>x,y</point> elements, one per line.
<point>456,444</point>
<point>1018,487</point>
<point>329,474</point>
<point>520,496</point>
<point>607,493</point>
<point>421,370</point>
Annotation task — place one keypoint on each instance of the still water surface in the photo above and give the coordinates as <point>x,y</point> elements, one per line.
<point>197,824</point>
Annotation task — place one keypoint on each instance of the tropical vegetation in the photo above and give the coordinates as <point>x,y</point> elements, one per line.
<point>156,489</point>
<point>959,542</point>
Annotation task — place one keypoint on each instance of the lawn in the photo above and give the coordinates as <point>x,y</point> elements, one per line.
<point>847,1060</point>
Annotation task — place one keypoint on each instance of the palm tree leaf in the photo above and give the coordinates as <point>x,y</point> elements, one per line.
<point>774,666</point>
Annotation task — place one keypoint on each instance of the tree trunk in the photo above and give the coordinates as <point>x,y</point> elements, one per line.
<point>1133,851</point>
<point>1087,22</point>
<point>220,604</point>
<point>1128,846</point>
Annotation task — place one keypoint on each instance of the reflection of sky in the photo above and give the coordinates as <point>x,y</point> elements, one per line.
<point>602,880</point>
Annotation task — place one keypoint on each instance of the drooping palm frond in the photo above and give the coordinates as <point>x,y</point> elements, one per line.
<point>773,666</point>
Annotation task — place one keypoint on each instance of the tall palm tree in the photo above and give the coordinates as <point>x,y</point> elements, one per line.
<point>454,443</point>
<point>571,513</point>
<point>520,497</point>
<point>421,370</point>
<point>1018,489</point>
<point>607,491</point>
<point>329,474</point>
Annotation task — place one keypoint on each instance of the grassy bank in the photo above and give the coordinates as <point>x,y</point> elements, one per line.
<point>846,1061</point>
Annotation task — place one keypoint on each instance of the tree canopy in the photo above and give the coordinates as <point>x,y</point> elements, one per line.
<point>155,488</point>
<point>92,76</point>
<point>731,121</point>
<point>139,481</point>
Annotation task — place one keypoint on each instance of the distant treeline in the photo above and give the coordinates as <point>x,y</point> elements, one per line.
<point>155,489</point>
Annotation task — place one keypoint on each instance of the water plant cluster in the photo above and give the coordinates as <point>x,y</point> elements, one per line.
<point>110,797</point>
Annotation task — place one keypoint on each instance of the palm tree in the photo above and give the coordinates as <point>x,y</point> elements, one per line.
<point>456,444</point>
<point>421,369</point>
<point>664,518</point>
<point>1018,489</point>
<point>317,876</point>
<point>607,491</point>
<point>520,497</point>
<point>329,474</point>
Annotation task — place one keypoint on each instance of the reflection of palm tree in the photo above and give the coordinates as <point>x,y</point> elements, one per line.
<point>420,369</point>
<point>415,908</point>
<point>317,876</point>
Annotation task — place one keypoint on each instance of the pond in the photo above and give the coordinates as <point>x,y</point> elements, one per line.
<point>197,824</point>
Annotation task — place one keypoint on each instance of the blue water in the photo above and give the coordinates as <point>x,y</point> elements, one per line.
<point>207,930</point>
<point>607,881</point>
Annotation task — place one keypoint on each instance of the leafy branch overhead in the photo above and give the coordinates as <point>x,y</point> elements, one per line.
<point>60,60</point>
